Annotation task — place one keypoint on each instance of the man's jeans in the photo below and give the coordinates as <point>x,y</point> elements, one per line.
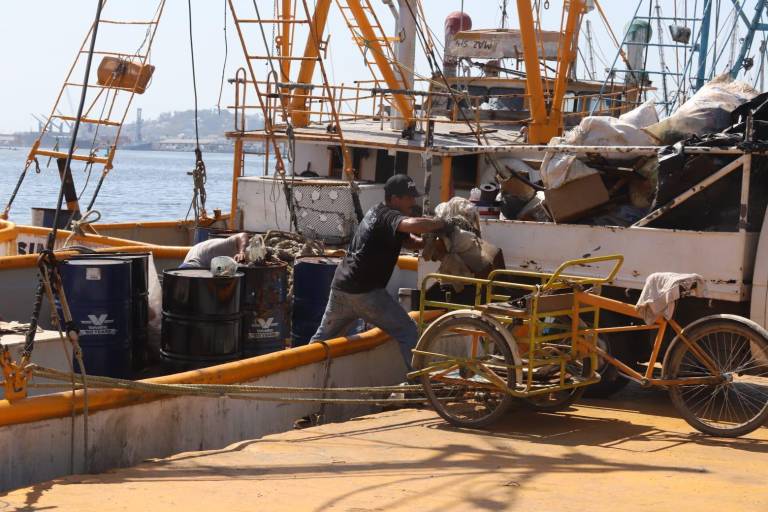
<point>376,307</point>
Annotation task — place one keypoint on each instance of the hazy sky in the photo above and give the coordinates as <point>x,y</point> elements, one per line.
<point>39,39</point>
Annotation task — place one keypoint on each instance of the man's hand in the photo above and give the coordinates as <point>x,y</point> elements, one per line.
<point>241,257</point>
<point>448,228</point>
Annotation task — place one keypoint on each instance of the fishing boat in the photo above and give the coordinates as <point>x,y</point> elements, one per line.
<point>485,113</point>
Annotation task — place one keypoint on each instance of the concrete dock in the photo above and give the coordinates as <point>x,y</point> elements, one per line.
<point>629,453</point>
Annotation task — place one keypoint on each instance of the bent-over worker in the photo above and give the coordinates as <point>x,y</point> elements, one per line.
<point>358,287</point>
<point>200,255</point>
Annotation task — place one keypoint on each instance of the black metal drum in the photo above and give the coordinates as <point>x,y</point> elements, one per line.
<point>202,318</point>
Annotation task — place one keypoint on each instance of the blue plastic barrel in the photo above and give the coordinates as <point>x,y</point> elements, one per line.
<point>200,235</point>
<point>312,279</point>
<point>44,217</point>
<point>139,301</point>
<point>98,292</point>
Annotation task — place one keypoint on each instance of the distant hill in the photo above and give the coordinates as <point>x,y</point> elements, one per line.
<point>168,125</point>
<point>181,124</point>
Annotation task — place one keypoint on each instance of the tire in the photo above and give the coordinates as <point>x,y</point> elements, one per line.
<point>468,400</point>
<point>739,349</point>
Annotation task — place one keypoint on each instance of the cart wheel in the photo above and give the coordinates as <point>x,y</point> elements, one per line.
<point>461,393</point>
<point>738,348</point>
<point>560,400</point>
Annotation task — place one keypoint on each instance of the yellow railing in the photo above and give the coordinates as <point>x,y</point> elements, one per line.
<point>363,101</point>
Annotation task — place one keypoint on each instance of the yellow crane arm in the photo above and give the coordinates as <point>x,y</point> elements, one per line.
<point>299,113</point>
<point>545,125</point>
<point>565,56</point>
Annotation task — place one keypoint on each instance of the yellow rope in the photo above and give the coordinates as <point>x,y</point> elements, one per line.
<point>239,391</point>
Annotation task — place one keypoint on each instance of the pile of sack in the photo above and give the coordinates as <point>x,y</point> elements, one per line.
<point>620,188</point>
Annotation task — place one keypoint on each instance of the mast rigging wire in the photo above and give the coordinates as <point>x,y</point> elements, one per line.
<point>226,54</point>
<point>199,175</point>
<point>29,342</point>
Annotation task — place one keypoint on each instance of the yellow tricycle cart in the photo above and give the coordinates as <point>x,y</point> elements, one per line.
<point>533,336</point>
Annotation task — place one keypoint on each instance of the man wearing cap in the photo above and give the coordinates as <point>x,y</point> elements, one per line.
<point>358,288</point>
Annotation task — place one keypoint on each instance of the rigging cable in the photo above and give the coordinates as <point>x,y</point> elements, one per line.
<point>280,168</point>
<point>226,54</point>
<point>199,176</point>
<point>47,265</point>
<point>147,41</point>
<point>7,209</point>
<point>438,72</point>
<point>29,342</point>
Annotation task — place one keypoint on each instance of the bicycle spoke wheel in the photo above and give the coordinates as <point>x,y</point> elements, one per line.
<point>738,348</point>
<point>470,363</point>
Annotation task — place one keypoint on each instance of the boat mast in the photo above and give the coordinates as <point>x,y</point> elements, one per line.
<point>299,114</point>
<point>544,124</point>
<point>405,49</point>
<point>662,62</point>
<point>703,44</point>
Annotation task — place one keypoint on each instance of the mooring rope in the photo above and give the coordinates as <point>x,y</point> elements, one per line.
<point>239,391</point>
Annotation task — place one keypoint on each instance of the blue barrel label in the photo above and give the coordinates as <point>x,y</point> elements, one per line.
<point>93,274</point>
<point>97,325</point>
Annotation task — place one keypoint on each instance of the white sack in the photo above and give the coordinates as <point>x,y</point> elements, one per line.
<point>707,111</point>
<point>155,300</point>
<point>641,117</point>
<point>557,169</point>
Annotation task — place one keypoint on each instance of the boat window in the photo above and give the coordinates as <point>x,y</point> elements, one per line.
<point>337,161</point>
<point>464,170</point>
<point>387,165</point>
<point>507,98</point>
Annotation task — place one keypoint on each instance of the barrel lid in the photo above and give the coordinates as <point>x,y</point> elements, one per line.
<point>111,255</point>
<point>264,266</point>
<point>203,273</point>
<point>319,260</point>
<point>96,262</point>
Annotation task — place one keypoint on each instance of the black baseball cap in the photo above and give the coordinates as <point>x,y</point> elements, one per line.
<point>401,185</point>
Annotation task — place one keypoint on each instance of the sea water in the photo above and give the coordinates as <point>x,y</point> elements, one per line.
<point>143,185</point>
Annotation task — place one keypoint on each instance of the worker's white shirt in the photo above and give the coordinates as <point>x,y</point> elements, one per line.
<point>200,255</point>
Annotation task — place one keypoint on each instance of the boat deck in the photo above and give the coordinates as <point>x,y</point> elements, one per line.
<point>629,454</point>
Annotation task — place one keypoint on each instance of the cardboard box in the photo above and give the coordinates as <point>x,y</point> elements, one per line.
<point>576,198</point>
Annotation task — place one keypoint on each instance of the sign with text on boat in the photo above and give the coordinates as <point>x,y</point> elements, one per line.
<point>500,44</point>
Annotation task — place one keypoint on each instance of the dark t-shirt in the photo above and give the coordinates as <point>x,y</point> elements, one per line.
<point>372,253</point>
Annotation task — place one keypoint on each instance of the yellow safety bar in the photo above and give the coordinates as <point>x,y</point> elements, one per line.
<point>558,276</point>
<point>550,281</point>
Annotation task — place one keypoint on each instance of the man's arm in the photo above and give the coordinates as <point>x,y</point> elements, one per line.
<point>242,243</point>
<point>420,225</point>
